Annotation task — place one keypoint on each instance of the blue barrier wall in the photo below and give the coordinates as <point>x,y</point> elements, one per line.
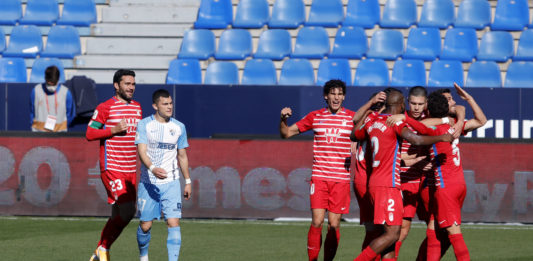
<point>216,109</point>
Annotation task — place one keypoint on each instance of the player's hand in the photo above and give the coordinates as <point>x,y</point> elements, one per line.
<point>393,119</point>
<point>286,113</point>
<point>462,93</point>
<point>187,191</point>
<point>380,97</point>
<point>353,147</point>
<point>447,137</point>
<point>159,173</point>
<point>121,127</point>
<point>458,129</point>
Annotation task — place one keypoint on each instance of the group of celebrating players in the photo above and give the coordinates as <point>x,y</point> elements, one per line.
<point>407,162</point>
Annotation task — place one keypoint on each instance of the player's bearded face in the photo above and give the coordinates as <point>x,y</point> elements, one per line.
<point>334,99</point>
<point>126,87</point>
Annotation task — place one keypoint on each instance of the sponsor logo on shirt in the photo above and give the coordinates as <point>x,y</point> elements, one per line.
<point>166,146</point>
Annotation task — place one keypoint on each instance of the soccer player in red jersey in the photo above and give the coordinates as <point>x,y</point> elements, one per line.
<point>114,123</point>
<point>385,181</point>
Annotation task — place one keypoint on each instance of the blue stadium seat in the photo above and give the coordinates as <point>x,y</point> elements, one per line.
<point>259,72</point>
<point>25,41</point>
<point>524,51</point>
<point>197,44</point>
<point>63,42</point>
<point>311,42</point>
<point>328,13</point>
<point>386,44</point>
<point>459,44</point>
<point>331,69</point>
<point>371,72</point>
<point>78,13</point>
<point>423,43</point>
<point>234,44</point>
<point>214,14</point>
<point>484,74</point>
<point>2,41</point>
<point>350,42</point>
<point>274,44</point>
<point>496,46</point>
<point>221,72</point>
<point>407,73</point>
<point>437,13</point>
<point>364,13</point>
<point>297,72</point>
<point>10,12</point>
<point>511,15</point>
<point>251,14</point>
<point>398,14</point>
<point>40,12</point>
<point>40,65</point>
<point>519,75</point>
<point>287,14</point>
<point>13,70</point>
<point>444,73</point>
<point>184,71</point>
<point>474,14</point>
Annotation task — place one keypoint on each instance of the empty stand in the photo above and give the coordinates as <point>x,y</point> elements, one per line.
<point>484,74</point>
<point>334,69</point>
<point>423,43</point>
<point>311,42</point>
<point>399,14</point>
<point>511,15</point>
<point>63,42</point>
<point>496,46</point>
<point>222,73</point>
<point>459,44</point>
<point>40,12</point>
<point>444,73</point>
<point>10,12</point>
<point>474,14</point>
<point>364,13</point>
<point>371,72</point>
<point>350,42</point>
<point>259,72</point>
<point>40,65</point>
<point>184,71</point>
<point>274,44</point>
<point>214,14</point>
<point>197,44</point>
<point>287,14</point>
<point>524,51</point>
<point>519,75</point>
<point>251,14</point>
<point>234,44</point>
<point>297,72</point>
<point>78,13</point>
<point>408,73</point>
<point>328,13</point>
<point>12,70</point>
<point>25,41</point>
<point>386,44</point>
<point>437,13</point>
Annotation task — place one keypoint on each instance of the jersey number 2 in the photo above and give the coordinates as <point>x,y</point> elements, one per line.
<point>375,148</point>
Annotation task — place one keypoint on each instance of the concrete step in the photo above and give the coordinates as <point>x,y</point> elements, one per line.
<point>159,3</point>
<point>133,46</point>
<point>106,76</point>
<point>146,62</point>
<point>140,30</point>
<point>149,14</point>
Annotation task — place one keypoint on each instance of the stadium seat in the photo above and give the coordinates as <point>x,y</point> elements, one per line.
<point>331,69</point>
<point>496,46</point>
<point>63,42</point>
<point>259,72</point>
<point>386,44</point>
<point>350,42</point>
<point>519,75</point>
<point>25,41</point>
<point>437,13</point>
<point>311,42</point>
<point>234,44</point>
<point>511,15</point>
<point>184,71</point>
<point>197,44</point>
<point>2,41</point>
<point>78,13</point>
<point>214,14</point>
<point>364,13</point>
<point>251,14</point>
<point>221,72</point>
<point>40,12</point>
<point>444,73</point>
<point>474,14</point>
<point>297,72</point>
<point>524,51</point>
<point>398,14</point>
<point>423,43</point>
<point>328,13</point>
<point>371,72</point>
<point>40,65</point>
<point>274,44</point>
<point>408,73</point>
<point>459,44</point>
<point>287,14</point>
<point>10,12</point>
<point>484,74</point>
<point>12,70</point>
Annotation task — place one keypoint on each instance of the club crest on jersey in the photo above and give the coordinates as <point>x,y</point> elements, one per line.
<point>332,134</point>
<point>172,132</point>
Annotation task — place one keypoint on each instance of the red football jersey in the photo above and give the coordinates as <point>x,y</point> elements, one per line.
<point>413,174</point>
<point>331,143</point>
<point>363,158</point>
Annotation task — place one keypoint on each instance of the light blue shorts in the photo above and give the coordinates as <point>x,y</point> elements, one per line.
<point>153,199</point>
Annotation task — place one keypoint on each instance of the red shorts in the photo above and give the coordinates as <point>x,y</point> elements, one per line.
<point>120,187</point>
<point>388,205</point>
<point>333,196</point>
<point>426,195</point>
<point>449,201</point>
<point>366,209</point>
<point>411,197</point>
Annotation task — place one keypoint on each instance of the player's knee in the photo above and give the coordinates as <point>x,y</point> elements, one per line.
<point>145,225</point>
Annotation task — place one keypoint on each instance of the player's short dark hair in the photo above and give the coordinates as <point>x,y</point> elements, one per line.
<point>418,91</point>
<point>333,84</point>
<point>118,75</point>
<point>158,94</point>
<point>437,105</point>
<point>51,74</point>
<point>390,90</point>
<point>443,90</point>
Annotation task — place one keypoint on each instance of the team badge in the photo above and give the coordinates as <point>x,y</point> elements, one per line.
<point>332,134</point>
<point>172,132</point>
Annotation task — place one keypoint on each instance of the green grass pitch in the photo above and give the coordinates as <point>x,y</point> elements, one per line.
<point>61,239</point>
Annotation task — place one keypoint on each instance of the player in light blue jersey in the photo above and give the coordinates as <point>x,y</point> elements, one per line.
<point>161,142</point>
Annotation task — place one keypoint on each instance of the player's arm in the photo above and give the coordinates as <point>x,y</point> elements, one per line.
<point>143,155</point>
<point>95,129</point>
<point>285,130</point>
<point>423,140</point>
<point>479,117</point>
<point>361,113</point>
<point>358,133</point>
<point>184,166</point>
